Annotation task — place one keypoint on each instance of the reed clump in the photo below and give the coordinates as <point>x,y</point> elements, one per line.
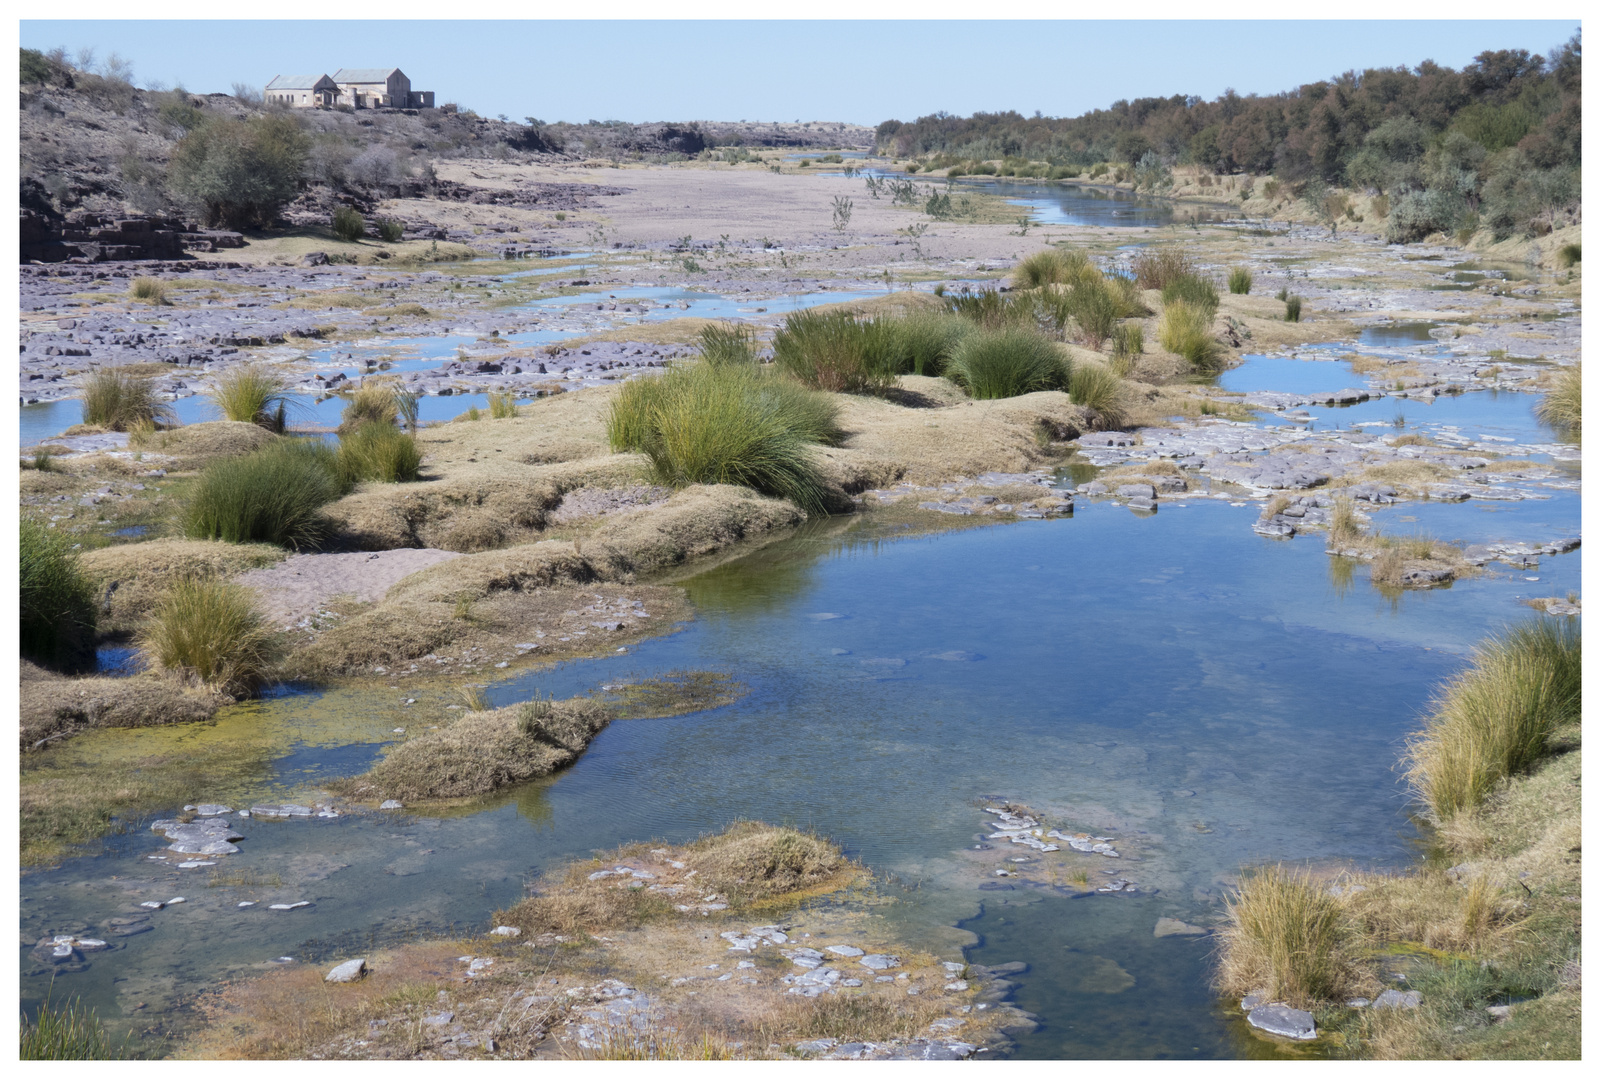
<point>121,402</point>
<point>1240,281</point>
<point>55,598</point>
<point>150,290</point>
<point>1053,266</point>
<point>1192,289</point>
<point>1187,330</point>
<point>837,352</point>
<point>212,630</point>
<point>378,452</point>
<point>253,394</point>
<point>502,405</point>
<point>273,495</point>
<point>1563,404</point>
<point>1288,938</point>
<point>1292,309</point>
<point>1007,362</point>
<point>373,402</point>
<point>1098,388</point>
<point>708,424</point>
<point>1156,268</point>
<point>728,343</point>
<point>70,1032</point>
<point>1492,720</point>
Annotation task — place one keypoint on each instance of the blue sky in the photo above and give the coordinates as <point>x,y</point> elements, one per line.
<point>862,72</point>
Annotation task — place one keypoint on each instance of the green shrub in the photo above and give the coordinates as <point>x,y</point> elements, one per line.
<point>502,405</point>
<point>55,600</point>
<point>373,402</point>
<point>1007,362</point>
<point>348,224</point>
<point>1563,403</point>
<point>1287,937</point>
<point>1492,721</point>
<point>65,1033</point>
<point>733,424</point>
<point>1568,256</point>
<point>1156,268</point>
<point>149,289</point>
<point>1292,309</point>
<point>1239,281</point>
<point>380,452</point>
<point>390,231</point>
<point>1097,387</point>
<point>240,173</point>
<point>406,403</point>
<point>211,628</point>
<point>274,495</point>
<point>837,352</point>
<point>253,394</point>
<point>728,343</point>
<point>1194,290</point>
<point>120,402</point>
<point>1187,331</point>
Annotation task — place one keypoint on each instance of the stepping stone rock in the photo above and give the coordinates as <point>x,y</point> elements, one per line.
<point>506,931</point>
<point>845,950</point>
<point>1398,999</point>
<point>879,961</point>
<point>207,810</point>
<point>1283,1021</point>
<point>349,971</point>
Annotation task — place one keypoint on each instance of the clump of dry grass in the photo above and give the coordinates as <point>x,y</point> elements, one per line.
<point>1159,267</point>
<point>1493,720</point>
<point>213,630</point>
<point>372,403</point>
<point>1563,404</point>
<point>1289,938</point>
<point>481,752</point>
<point>120,401</point>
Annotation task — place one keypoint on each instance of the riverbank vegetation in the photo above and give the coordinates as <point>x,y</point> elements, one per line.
<point>211,630</point>
<point>116,401</point>
<point>55,599</point>
<point>1487,930</point>
<point>1563,404</point>
<point>274,495</point>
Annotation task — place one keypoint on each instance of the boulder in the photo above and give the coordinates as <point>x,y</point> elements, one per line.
<point>349,971</point>
<point>1283,1021</point>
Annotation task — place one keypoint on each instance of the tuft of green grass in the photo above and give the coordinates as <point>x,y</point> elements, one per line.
<point>1128,340</point>
<point>1187,331</point>
<point>70,1032</point>
<point>212,629</point>
<point>1097,387</point>
<point>1492,720</point>
<point>1568,256</point>
<point>274,495</point>
<point>838,352</point>
<point>1239,281</point>
<point>925,341</point>
<point>502,405</point>
<point>373,402</point>
<point>1288,938</point>
<point>1345,528</point>
<point>990,308</point>
<point>1053,266</point>
<point>1094,307</point>
<point>253,394</point>
<point>150,290</point>
<point>706,424</point>
<point>1292,309</point>
<point>1007,362</point>
<point>44,459</point>
<point>117,401</point>
<point>1194,290</point>
<point>56,601</point>
<point>728,343</point>
<point>1563,404</point>
<point>349,225</point>
<point>380,452</point>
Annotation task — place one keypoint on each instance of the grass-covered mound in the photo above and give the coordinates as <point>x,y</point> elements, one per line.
<point>50,706</point>
<point>1491,921</point>
<point>275,495</point>
<point>748,865</point>
<point>484,751</point>
<point>143,573</point>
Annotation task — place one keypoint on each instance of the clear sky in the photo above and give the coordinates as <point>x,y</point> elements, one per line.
<point>861,72</point>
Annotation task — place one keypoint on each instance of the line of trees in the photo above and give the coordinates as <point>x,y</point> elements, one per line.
<point>1497,143</point>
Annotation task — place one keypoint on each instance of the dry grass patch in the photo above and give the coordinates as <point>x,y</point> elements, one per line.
<point>1289,938</point>
<point>187,449</point>
<point>52,707</point>
<point>483,751</point>
<point>143,573</point>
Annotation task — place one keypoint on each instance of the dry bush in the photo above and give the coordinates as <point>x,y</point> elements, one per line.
<point>1158,267</point>
<point>1287,937</point>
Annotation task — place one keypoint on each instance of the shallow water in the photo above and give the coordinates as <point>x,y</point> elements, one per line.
<point>1070,204</point>
<point>670,302</point>
<point>1163,679</point>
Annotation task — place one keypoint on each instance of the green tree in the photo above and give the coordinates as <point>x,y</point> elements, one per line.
<point>240,173</point>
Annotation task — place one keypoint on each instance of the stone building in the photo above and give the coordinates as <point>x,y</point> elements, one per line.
<point>358,88</point>
<point>303,91</point>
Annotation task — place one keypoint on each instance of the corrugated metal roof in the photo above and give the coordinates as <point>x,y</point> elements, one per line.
<point>295,82</point>
<point>363,75</point>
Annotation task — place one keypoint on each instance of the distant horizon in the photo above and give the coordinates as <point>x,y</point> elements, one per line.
<point>790,71</point>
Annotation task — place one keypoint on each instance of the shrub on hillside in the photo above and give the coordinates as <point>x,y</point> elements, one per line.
<point>239,173</point>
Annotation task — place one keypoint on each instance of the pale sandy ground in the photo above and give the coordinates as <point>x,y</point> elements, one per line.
<point>295,588</point>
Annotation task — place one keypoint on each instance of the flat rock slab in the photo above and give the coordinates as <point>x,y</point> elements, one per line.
<point>1283,1021</point>
<point>295,588</point>
<point>879,961</point>
<point>1398,999</point>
